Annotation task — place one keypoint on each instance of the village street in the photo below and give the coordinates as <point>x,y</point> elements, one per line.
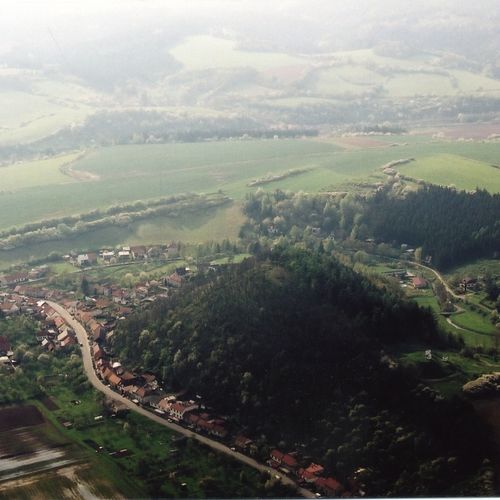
<point>96,382</point>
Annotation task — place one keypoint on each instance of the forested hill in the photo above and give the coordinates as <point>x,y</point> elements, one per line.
<point>451,226</point>
<point>273,335</point>
<point>290,348</point>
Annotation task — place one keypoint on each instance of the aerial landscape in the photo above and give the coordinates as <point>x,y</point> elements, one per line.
<point>249,249</point>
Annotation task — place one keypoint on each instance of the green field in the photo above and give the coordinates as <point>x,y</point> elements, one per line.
<point>474,321</point>
<point>38,190</point>
<point>36,173</point>
<point>204,52</point>
<point>451,169</point>
<point>462,369</point>
<point>126,173</point>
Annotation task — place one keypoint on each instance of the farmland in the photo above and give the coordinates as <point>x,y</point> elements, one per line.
<point>80,182</point>
<point>126,173</point>
<point>446,169</point>
<point>41,458</point>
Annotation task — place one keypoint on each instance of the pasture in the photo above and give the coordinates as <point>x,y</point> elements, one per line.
<point>450,169</point>
<point>38,190</point>
<point>199,53</point>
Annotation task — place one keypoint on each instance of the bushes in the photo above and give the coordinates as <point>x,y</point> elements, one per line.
<point>117,215</point>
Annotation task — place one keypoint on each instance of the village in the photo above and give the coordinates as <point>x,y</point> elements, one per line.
<point>99,314</point>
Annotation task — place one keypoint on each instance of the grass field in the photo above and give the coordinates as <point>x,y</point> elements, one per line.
<point>27,117</point>
<point>474,321</point>
<point>38,190</point>
<point>450,169</point>
<point>129,173</point>
<point>461,369</point>
<point>215,225</point>
<point>204,52</point>
<point>36,173</point>
<point>477,268</point>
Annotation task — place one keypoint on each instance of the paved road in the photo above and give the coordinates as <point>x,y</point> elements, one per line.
<point>96,382</point>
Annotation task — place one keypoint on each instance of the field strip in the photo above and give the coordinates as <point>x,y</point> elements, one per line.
<point>241,162</point>
<point>35,470</point>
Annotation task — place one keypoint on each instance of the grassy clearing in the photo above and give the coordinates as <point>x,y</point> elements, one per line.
<point>216,225</point>
<point>449,169</point>
<point>36,173</point>
<point>27,117</point>
<point>474,269</point>
<point>456,371</point>
<point>129,173</point>
<point>204,52</point>
<point>474,321</point>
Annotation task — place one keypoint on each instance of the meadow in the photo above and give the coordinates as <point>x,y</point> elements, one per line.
<point>38,190</point>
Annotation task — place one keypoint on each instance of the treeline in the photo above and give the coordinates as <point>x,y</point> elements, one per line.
<point>291,347</point>
<point>451,226</point>
<point>277,177</point>
<point>117,215</point>
<point>107,128</point>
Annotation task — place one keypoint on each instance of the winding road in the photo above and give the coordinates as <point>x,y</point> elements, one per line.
<point>215,445</point>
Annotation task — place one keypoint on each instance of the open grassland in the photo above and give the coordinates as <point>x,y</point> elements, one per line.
<point>478,268</point>
<point>36,173</point>
<point>127,173</point>
<point>450,169</point>
<point>475,322</point>
<point>38,190</point>
<point>447,371</point>
<point>204,52</point>
<point>213,225</point>
<point>27,116</point>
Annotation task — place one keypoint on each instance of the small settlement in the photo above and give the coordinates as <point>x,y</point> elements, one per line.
<point>99,315</point>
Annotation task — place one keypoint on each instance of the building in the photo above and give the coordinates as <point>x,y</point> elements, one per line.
<point>419,283</point>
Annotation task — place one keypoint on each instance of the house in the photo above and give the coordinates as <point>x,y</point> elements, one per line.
<point>153,400</point>
<point>276,458</point>
<point>329,486</point>
<point>138,252</point>
<point>242,442</point>
<point>68,341</point>
<point>97,330</point>
<point>128,378</point>
<point>419,283</point>
<point>9,308</point>
<point>179,409</point>
<point>114,379</point>
<point>48,344</point>
<point>92,258</point>
<point>83,260</point>
<point>124,255</point>
<point>97,352</point>
<point>142,393</point>
<point>218,430</point>
<point>468,283</point>
<point>289,462</point>
<point>59,322</point>
<point>150,380</point>
<point>174,280</point>
<point>15,278</point>
<point>107,255</point>
<point>166,404</point>
<point>42,335</point>
<point>63,336</point>
<point>307,477</point>
<point>315,469</point>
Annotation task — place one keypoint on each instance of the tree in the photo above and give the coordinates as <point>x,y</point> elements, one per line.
<point>85,286</point>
